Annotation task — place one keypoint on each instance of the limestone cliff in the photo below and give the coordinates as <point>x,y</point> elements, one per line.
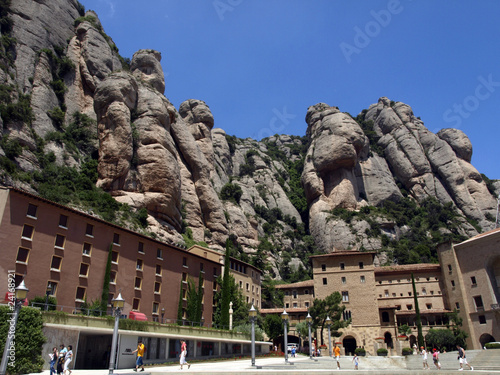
<point>282,198</point>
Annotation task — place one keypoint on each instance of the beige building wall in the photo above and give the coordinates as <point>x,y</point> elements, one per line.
<point>248,278</point>
<point>298,295</point>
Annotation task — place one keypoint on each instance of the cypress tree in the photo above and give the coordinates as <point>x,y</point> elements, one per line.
<point>420,336</point>
<point>226,288</point>
<point>179,308</point>
<point>105,286</point>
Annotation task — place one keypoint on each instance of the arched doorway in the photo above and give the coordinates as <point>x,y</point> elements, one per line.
<point>349,343</point>
<point>485,338</point>
<point>413,340</point>
<point>388,340</point>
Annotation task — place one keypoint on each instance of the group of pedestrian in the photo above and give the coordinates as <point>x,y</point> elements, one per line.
<point>60,360</point>
<point>435,358</point>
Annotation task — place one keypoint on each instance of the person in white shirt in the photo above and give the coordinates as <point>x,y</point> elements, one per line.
<point>423,353</point>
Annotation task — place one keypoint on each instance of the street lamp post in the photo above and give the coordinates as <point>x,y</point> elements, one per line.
<point>118,304</point>
<point>284,317</point>
<point>162,315</point>
<point>253,317</point>
<point>47,293</point>
<point>20,296</point>
<point>329,325</point>
<point>309,320</point>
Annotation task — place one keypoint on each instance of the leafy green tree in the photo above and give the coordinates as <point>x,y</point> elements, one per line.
<point>456,324</point>
<point>39,302</point>
<point>107,276</point>
<point>231,192</point>
<point>247,328</point>
<point>329,307</point>
<point>29,339</point>
<point>440,338</point>
<point>225,290</point>
<point>302,330</point>
<point>273,326</point>
<point>180,306</point>
<point>194,300</point>
<point>271,296</point>
<point>240,307</point>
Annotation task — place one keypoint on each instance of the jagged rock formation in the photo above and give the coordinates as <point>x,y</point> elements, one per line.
<point>196,181</point>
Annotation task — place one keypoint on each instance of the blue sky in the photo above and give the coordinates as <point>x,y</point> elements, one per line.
<point>260,64</point>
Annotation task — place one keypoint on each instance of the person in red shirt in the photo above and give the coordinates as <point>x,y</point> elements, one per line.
<point>184,354</point>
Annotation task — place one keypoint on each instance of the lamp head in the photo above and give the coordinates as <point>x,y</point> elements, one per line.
<point>328,321</point>
<point>252,313</point>
<point>284,316</point>
<point>309,318</point>
<point>118,302</point>
<point>21,291</point>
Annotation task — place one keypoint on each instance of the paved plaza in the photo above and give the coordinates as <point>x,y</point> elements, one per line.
<point>303,365</point>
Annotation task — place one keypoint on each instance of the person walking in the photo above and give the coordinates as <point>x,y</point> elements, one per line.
<point>435,358</point>
<point>336,351</point>
<point>462,359</point>
<point>355,359</point>
<point>53,360</point>
<point>140,353</point>
<point>68,357</point>
<point>183,354</point>
<point>423,353</point>
<point>60,359</point>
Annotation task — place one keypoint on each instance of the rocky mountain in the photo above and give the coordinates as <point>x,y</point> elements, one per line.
<point>69,100</point>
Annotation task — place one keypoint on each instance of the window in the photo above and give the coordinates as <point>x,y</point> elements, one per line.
<point>80,294</point>
<point>473,281</point>
<point>449,268</point>
<point>482,319</point>
<point>409,307</point>
<point>346,314</point>
<point>287,305</point>
<point>158,270</point>
<point>343,280</point>
<point>342,266</point>
<point>60,240</point>
<point>138,283</point>
<point>201,267</point>
<point>114,257</point>
<point>323,267</point>
<point>22,255</point>
<point>215,271</point>
<point>453,283</point>
<point>394,294</point>
<point>112,277</point>
<point>362,279</point>
<point>155,308</point>
<point>63,221</point>
<point>184,294</point>
<point>84,269</point>
<point>325,281</point>
<point>424,291</point>
<point>386,293</point>
<point>159,253</point>
<point>398,307</point>
<point>248,287</point>
<point>136,304</point>
<point>87,248</point>
<point>55,265</point>
<point>27,232</point>
<point>385,317</point>
<point>345,296</point>
<point>361,265</point>
<point>429,306</point>
<point>116,239</point>
<point>457,305</point>
<point>184,277</point>
<point>307,304</point>
<point>89,231</point>
<point>306,291</point>
<point>184,262</point>
<point>241,284</point>
<point>139,265</point>
<point>294,293</point>
<point>140,247</point>
<point>409,294</point>
<point>478,301</point>
<point>157,287</point>
<point>32,211</point>
<point>257,290</point>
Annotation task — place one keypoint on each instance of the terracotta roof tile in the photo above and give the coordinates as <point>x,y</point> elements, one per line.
<point>300,284</point>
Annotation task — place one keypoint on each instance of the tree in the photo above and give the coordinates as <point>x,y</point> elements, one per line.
<point>329,307</point>
<point>273,326</point>
<point>440,338</point>
<point>459,334</point>
<point>28,340</point>
<point>226,293</point>
<point>420,336</point>
<point>302,330</point>
<point>105,285</point>
<point>180,306</point>
<point>194,300</point>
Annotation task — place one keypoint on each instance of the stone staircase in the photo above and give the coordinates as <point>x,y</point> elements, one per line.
<point>488,360</point>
